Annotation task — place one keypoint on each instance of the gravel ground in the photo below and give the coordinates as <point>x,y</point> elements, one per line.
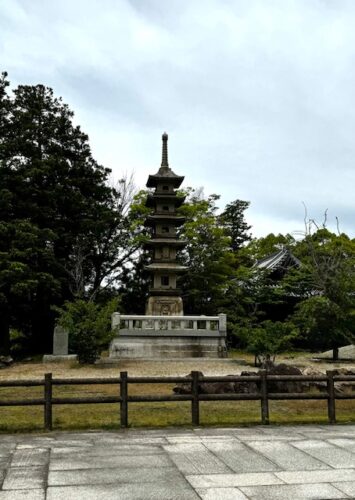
<point>153,368</point>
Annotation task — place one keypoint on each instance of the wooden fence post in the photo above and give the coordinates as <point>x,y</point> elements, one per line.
<point>331,397</point>
<point>48,401</point>
<point>264,398</point>
<point>124,402</point>
<point>195,408</point>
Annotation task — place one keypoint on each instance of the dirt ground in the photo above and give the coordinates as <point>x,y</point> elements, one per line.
<point>229,366</point>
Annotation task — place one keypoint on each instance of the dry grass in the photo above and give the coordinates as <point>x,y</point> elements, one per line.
<point>30,418</point>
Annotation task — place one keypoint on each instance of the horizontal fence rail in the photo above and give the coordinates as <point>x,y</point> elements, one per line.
<point>196,382</point>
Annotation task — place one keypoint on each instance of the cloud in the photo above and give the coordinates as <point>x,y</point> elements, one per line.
<point>257,97</point>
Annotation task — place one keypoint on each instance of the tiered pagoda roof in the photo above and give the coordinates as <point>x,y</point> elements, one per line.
<point>164,220</point>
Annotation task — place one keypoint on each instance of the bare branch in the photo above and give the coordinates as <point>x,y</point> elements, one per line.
<point>325,219</point>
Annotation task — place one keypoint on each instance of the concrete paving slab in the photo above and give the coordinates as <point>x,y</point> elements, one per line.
<point>334,427</point>
<point>316,476</point>
<point>198,439</point>
<point>24,478</point>
<point>23,495</point>
<point>137,441</point>
<point>25,457</point>
<point>269,437</point>
<point>194,458</point>
<point>327,453</point>
<point>4,462</point>
<point>113,475</point>
<point>227,480</point>
<point>213,431</point>
<point>347,487</point>
<point>240,458</point>
<point>67,443</point>
<point>6,449</point>
<point>221,494</point>
<point>282,492</point>
<point>156,464</point>
<point>327,435</point>
<point>85,461</point>
<point>9,438</point>
<point>286,456</point>
<point>143,491</point>
<point>347,443</point>
<point>122,449</point>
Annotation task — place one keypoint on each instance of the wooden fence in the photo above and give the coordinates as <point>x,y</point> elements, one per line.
<point>123,397</point>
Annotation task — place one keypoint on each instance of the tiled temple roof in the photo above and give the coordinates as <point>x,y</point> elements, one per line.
<point>281,259</point>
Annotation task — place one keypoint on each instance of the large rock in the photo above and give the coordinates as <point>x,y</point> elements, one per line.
<point>6,361</point>
<point>274,386</point>
<point>347,352</point>
<point>206,388</point>
<point>247,387</point>
<point>345,386</point>
<point>244,387</point>
<point>284,386</point>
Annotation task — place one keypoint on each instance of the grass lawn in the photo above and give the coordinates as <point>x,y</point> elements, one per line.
<point>107,416</point>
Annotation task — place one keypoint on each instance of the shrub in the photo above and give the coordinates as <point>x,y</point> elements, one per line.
<point>89,327</point>
<point>268,339</point>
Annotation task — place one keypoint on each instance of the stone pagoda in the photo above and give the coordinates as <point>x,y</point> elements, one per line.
<point>164,332</point>
<point>164,299</point>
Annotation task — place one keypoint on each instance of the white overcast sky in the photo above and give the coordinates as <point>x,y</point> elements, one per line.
<point>258,96</point>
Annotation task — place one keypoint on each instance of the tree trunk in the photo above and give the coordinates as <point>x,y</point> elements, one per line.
<point>4,335</point>
<point>335,353</point>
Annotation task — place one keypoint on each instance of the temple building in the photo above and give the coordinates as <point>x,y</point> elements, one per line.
<point>278,263</point>
<point>164,244</point>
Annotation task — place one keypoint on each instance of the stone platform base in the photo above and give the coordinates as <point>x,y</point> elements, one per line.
<point>168,347</point>
<point>56,358</point>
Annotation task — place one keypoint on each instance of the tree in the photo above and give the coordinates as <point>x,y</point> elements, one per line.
<point>208,255</point>
<point>324,323</point>
<point>89,327</point>
<point>26,262</point>
<point>267,339</point>
<point>326,315</point>
<point>232,218</point>
<point>50,181</point>
<point>261,247</point>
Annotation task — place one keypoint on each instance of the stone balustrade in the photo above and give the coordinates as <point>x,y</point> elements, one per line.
<point>163,337</point>
<point>169,324</point>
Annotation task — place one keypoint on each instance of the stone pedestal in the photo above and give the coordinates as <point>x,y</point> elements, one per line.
<point>164,306</point>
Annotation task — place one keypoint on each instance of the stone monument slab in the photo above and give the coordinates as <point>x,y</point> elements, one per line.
<point>60,347</point>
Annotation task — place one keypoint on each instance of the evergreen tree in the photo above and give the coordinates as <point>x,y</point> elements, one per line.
<point>232,218</point>
<point>55,199</point>
<point>208,255</point>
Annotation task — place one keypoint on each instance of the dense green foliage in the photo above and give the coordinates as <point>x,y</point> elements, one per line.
<point>267,339</point>
<point>89,327</point>
<point>64,231</point>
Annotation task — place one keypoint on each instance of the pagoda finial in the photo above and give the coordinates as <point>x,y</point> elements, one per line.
<point>164,159</point>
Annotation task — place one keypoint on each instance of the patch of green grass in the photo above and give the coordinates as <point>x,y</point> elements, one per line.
<point>107,416</point>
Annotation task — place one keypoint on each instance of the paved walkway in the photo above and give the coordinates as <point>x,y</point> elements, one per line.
<point>211,464</point>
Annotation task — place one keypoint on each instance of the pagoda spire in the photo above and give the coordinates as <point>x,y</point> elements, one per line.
<point>164,158</point>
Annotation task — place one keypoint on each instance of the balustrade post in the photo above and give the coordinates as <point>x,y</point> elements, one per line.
<point>116,322</point>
